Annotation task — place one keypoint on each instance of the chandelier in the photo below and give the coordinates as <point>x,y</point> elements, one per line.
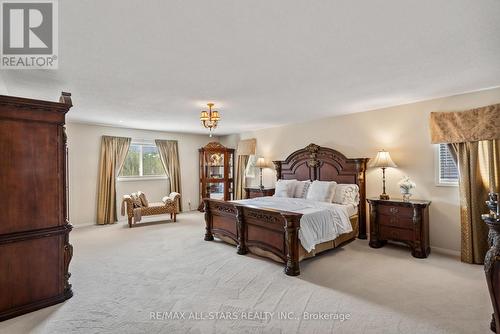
<point>210,118</point>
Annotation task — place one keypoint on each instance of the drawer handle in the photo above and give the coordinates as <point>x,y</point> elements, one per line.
<point>394,219</point>
<point>393,210</point>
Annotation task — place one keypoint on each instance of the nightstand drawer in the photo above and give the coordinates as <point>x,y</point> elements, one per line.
<point>397,221</point>
<point>394,233</point>
<point>257,192</point>
<point>400,211</point>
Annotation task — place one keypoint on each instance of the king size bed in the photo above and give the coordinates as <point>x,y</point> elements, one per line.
<point>271,226</point>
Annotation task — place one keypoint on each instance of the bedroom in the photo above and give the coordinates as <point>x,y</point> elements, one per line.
<point>353,78</point>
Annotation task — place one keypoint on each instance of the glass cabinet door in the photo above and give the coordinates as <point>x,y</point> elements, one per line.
<point>215,165</point>
<point>230,165</point>
<point>215,190</point>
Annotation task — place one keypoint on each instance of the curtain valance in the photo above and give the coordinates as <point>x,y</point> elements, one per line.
<point>466,126</point>
<point>247,147</point>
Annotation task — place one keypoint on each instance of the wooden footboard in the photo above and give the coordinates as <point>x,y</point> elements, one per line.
<point>271,230</point>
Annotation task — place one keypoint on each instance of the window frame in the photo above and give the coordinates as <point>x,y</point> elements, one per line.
<point>142,177</point>
<point>438,181</point>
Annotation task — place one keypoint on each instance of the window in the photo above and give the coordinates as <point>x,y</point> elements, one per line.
<point>143,160</point>
<point>447,173</point>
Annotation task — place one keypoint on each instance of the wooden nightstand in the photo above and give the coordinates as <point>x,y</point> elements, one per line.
<point>397,220</point>
<point>257,192</point>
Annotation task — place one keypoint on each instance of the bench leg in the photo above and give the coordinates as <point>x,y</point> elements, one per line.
<point>130,222</point>
<point>175,217</point>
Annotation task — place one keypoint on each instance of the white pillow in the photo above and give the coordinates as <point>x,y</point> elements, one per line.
<point>321,191</point>
<point>346,194</point>
<point>285,188</point>
<point>301,188</point>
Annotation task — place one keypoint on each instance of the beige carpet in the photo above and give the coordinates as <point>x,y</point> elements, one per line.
<point>121,275</point>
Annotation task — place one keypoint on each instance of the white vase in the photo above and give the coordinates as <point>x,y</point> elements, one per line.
<point>406,194</point>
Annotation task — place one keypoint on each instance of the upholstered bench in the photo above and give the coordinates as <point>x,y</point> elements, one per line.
<point>136,206</point>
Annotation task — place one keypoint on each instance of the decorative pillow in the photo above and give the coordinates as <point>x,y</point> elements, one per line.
<point>136,200</point>
<point>285,188</point>
<point>346,194</point>
<point>143,199</point>
<point>321,191</point>
<point>301,188</point>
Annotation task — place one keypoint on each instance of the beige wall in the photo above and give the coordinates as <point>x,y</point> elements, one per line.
<point>401,130</point>
<point>84,149</point>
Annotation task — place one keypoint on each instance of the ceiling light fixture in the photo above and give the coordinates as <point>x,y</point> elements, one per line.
<point>210,118</point>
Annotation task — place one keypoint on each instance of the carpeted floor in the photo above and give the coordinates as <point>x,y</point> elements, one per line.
<point>121,276</point>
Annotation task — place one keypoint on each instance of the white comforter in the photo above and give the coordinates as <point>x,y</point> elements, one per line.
<point>320,221</point>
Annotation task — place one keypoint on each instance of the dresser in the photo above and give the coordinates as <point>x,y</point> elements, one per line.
<point>402,221</point>
<point>34,247</point>
<point>251,192</point>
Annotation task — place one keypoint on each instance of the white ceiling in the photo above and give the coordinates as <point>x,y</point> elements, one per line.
<point>154,64</point>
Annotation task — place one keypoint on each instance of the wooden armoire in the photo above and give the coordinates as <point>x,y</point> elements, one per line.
<point>34,248</point>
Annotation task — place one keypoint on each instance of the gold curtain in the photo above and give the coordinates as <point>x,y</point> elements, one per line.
<point>240,176</point>
<point>169,155</point>
<point>245,149</point>
<point>473,138</point>
<point>247,146</point>
<point>478,164</point>
<point>113,153</point>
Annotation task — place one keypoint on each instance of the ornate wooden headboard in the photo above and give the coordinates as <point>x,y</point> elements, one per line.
<point>325,164</point>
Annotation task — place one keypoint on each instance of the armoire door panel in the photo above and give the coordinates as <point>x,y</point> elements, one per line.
<point>30,171</point>
<point>30,271</point>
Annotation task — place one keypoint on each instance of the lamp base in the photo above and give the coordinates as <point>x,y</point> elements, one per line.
<point>384,196</point>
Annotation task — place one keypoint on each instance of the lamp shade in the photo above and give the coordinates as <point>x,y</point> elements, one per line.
<point>215,115</point>
<point>383,159</point>
<point>261,163</point>
<point>204,116</point>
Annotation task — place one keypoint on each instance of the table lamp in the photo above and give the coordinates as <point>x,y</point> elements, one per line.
<point>383,160</point>
<point>261,163</point>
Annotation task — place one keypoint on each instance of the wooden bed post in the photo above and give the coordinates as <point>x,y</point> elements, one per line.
<point>292,225</point>
<point>277,167</point>
<point>362,162</point>
<point>241,248</point>
<point>208,221</point>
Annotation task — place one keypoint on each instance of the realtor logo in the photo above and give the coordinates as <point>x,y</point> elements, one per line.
<point>29,34</point>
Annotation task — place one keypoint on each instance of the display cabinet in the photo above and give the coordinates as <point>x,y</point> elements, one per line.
<point>216,172</point>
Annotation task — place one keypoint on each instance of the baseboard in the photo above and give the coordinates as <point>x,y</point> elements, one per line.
<point>83,225</point>
<point>121,220</point>
<point>445,251</point>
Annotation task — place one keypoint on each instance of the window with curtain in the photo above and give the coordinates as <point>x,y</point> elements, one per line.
<point>250,169</point>
<point>447,171</point>
<point>143,160</point>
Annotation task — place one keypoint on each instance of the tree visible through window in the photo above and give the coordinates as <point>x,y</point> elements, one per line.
<point>142,160</point>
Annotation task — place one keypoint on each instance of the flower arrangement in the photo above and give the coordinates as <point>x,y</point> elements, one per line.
<point>405,186</point>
